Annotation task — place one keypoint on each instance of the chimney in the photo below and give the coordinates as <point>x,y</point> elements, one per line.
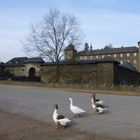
<point>91,47</point>
<point>139,43</point>
<point>86,47</point>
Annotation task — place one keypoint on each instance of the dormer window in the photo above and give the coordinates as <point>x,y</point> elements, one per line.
<point>16,61</point>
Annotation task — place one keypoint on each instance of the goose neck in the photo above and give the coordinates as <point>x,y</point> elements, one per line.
<point>71,102</point>
<point>55,112</point>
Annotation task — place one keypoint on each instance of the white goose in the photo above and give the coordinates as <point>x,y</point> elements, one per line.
<point>75,109</point>
<point>60,120</point>
<point>99,108</point>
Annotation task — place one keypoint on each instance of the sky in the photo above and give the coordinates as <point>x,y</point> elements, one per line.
<point>103,22</point>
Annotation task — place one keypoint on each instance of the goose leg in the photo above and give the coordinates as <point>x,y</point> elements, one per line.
<point>58,125</point>
<point>78,115</point>
<point>64,127</point>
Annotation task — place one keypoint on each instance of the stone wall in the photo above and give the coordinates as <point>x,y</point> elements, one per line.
<point>124,76</point>
<point>36,66</point>
<point>99,73</point>
<point>24,70</point>
<point>16,71</point>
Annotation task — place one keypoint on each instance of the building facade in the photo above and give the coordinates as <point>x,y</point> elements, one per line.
<point>23,67</point>
<point>122,54</point>
<point>88,67</point>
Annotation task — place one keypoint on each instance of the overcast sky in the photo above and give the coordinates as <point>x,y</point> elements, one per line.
<point>103,21</point>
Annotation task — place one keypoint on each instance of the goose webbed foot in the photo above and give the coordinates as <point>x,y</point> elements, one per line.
<point>58,126</point>
<point>64,127</point>
<point>77,116</point>
<point>95,113</point>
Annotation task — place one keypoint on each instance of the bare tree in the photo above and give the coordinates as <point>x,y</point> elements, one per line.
<point>49,38</point>
<point>109,46</point>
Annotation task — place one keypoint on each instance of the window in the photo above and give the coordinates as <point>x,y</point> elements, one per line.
<point>108,54</point>
<point>97,56</point>
<point>135,54</point>
<point>128,54</point>
<point>135,61</point>
<point>128,60</point>
<point>121,55</point>
<point>81,57</point>
<point>91,57</point>
<point>103,56</point>
<point>115,55</point>
<point>121,62</point>
<point>85,57</point>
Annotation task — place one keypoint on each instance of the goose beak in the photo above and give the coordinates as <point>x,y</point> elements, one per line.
<point>55,106</point>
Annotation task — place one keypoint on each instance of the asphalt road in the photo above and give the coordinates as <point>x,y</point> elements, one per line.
<point>122,119</point>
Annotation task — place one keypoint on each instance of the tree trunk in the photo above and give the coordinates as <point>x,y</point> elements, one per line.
<point>57,72</point>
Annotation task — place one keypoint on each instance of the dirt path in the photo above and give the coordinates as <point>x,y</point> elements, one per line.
<point>17,127</point>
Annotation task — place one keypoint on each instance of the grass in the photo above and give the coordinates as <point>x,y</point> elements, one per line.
<point>115,90</point>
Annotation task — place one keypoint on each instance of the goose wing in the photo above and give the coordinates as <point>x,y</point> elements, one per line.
<point>99,105</point>
<point>77,110</point>
<point>60,117</point>
<point>97,100</point>
<point>63,120</point>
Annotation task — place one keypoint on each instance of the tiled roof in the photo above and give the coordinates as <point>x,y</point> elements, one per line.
<point>17,61</point>
<point>128,65</point>
<point>20,61</point>
<point>1,63</point>
<point>70,47</point>
<point>34,60</point>
<point>109,51</point>
<point>73,62</point>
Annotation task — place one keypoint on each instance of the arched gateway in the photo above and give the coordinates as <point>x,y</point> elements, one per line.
<point>32,73</point>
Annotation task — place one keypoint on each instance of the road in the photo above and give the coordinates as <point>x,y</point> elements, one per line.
<point>122,119</point>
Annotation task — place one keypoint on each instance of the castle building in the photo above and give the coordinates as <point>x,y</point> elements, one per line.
<point>21,67</point>
<point>108,66</point>
<point>123,54</point>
